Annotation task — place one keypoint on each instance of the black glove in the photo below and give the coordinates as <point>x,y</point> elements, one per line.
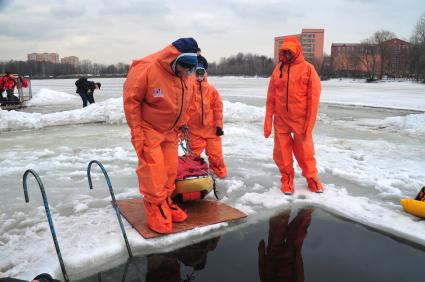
<point>219,131</point>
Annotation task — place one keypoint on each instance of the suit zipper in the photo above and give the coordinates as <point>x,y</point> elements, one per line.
<point>287,90</point>
<point>202,104</point>
<point>181,106</point>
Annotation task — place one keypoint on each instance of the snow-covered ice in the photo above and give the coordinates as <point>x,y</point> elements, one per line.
<point>368,158</point>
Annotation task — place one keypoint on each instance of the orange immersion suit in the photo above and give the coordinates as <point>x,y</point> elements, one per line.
<point>155,100</point>
<point>204,115</point>
<point>292,106</point>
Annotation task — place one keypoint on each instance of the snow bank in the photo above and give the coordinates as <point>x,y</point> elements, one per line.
<point>411,124</point>
<point>49,97</point>
<point>109,111</point>
<point>239,112</point>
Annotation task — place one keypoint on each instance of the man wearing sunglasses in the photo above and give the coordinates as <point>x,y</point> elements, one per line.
<point>156,94</point>
<point>205,121</point>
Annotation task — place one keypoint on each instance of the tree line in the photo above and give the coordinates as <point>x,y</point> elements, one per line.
<point>36,69</point>
<point>243,65</point>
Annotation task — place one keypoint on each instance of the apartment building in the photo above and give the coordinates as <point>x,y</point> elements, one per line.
<point>311,39</point>
<point>44,57</point>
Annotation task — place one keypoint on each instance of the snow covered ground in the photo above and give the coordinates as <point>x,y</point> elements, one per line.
<point>368,158</point>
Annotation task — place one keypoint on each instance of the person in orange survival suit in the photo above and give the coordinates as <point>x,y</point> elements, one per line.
<point>283,260</point>
<point>292,105</point>
<point>204,119</point>
<point>156,93</point>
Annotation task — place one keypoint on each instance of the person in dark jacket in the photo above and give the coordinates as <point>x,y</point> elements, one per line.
<point>85,89</point>
<point>91,86</point>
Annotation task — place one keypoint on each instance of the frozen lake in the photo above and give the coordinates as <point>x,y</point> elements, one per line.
<point>369,148</point>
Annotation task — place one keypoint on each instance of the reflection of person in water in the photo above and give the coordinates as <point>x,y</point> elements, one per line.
<point>167,267</point>
<point>282,261</point>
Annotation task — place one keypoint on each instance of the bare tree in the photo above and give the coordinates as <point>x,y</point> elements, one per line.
<point>381,39</point>
<point>417,55</point>
<point>367,56</point>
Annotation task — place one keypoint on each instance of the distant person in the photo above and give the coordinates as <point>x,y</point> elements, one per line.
<point>201,59</point>
<point>282,259</point>
<point>9,83</point>
<point>23,83</point>
<point>292,106</point>
<point>156,94</point>
<point>85,89</point>
<point>2,98</point>
<point>44,277</point>
<point>204,119</point>
<point>91,86</point>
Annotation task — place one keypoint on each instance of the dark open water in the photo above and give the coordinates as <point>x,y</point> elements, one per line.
<point>307,245</point>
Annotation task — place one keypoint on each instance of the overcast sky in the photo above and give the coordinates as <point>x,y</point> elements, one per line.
<point>111,31</point>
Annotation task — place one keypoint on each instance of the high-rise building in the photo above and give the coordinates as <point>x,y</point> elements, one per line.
<point>311,40</point>
<point>71,60</point>
<point>44,57</point>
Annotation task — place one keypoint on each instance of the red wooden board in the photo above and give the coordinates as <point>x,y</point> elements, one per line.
<point>200,213</point>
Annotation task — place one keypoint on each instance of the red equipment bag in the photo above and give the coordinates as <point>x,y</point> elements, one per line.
<point>191,166</point>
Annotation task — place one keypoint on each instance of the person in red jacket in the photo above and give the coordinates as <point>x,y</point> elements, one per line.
<point>292,105</point>
<point>23,82</point>
<point>9,83</point>
<point>204,119</point>
<point>156,94</point>
<point>2,99</point>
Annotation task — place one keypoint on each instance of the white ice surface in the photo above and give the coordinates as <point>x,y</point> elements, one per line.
<point>378,173</point>
<point>387,94</point>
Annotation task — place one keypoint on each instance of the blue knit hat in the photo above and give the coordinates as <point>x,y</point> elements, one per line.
<point>186,45</point>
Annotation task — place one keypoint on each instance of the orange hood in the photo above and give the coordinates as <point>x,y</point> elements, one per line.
<point>292,44</point>
<point>164,57</point>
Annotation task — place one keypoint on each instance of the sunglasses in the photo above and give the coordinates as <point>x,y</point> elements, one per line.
<point>200,72</point>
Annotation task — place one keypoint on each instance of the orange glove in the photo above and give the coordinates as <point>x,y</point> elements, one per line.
<point>268,121</point>
<point>137,139</point>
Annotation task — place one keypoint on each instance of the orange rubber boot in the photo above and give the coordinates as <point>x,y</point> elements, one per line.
<point>314,185</point>
<point>158,217</point>
<point>287,181</point>
<point>177,214</point>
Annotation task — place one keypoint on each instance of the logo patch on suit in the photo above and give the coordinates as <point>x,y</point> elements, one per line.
<point>157,92</point>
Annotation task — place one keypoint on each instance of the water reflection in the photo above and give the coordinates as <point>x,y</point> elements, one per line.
<point>282,260</point>
<point>166,267</point>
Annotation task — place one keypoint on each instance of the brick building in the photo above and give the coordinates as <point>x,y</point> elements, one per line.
<point>344,58</point>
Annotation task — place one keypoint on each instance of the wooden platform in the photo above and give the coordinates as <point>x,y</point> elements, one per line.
<point>200,213</point>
